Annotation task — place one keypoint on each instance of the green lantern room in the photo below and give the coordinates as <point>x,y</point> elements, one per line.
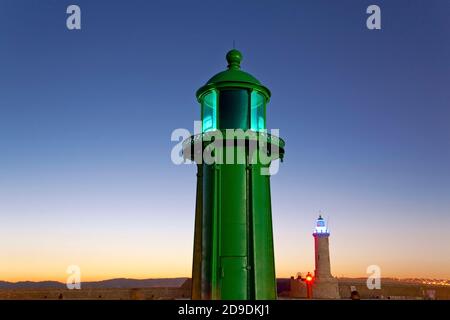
<point>233,99</point>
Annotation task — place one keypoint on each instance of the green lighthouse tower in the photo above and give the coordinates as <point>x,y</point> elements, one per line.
<point>233,239</point>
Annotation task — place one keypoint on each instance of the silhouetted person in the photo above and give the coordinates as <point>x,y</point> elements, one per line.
<point>355,295</point>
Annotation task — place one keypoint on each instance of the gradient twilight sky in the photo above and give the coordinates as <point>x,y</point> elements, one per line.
<point>86,118</point>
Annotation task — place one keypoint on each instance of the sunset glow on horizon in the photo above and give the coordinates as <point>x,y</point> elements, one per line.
<point>86,118</point>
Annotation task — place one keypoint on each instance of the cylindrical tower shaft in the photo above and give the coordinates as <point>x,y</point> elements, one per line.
<point>236,257</point>
<point>322,255</point>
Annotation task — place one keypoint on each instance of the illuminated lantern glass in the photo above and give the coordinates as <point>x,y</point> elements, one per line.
<point>257,111</point>
<point>209,112</point>
<point>321,226</point>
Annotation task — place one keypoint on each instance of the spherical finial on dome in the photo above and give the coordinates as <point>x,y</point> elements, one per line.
<point>234,58</point>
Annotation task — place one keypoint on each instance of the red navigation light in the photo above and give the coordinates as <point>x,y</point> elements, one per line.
<point>309,283</point>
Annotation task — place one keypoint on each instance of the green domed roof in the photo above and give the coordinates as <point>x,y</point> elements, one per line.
<point>233,77</point>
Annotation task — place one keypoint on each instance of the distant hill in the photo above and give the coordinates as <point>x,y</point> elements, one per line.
<point>105,284</point>
<point>30,284</point>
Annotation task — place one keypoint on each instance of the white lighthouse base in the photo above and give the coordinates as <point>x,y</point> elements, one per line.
<point>327,288</point>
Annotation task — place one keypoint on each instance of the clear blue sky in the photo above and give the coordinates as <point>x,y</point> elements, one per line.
<point>86,118</point>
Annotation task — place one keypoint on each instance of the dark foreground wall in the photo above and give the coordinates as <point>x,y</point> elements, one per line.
<point>394,290</point>
<point>96,294</point>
